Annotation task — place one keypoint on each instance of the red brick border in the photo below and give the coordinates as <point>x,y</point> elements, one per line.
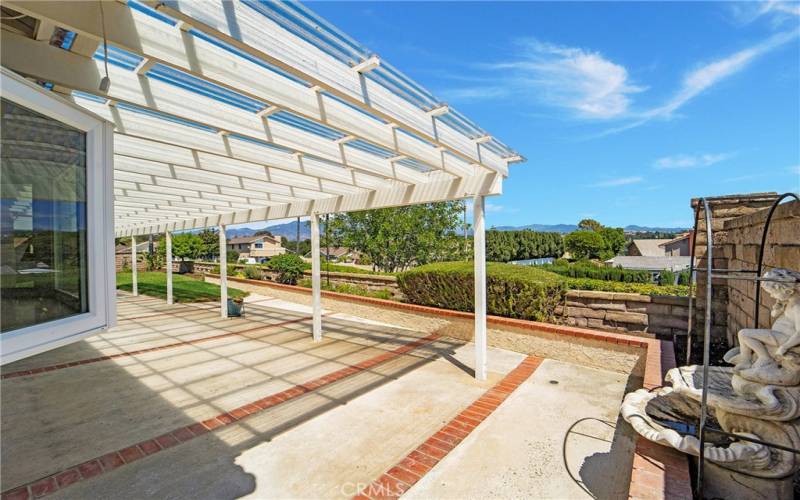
<point>115,459</point>
<point>398,479</point>
<point>61,366</point>
<point>670,476</point>
<point>612,338</point>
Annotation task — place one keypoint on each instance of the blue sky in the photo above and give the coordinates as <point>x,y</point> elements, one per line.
<point>624,111</point>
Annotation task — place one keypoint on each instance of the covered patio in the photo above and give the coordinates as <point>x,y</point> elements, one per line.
<point>178,402</point>
<point>237,111</point>
<point>233,112</point>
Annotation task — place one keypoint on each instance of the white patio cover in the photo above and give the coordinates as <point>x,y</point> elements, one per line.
<point>239,111</point>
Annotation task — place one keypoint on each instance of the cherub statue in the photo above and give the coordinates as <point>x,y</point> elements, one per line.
<point>761,350</point>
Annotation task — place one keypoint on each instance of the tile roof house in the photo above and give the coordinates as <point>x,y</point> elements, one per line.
<point>678,246</point>
<point>646,248</point>
<point>258,247</point>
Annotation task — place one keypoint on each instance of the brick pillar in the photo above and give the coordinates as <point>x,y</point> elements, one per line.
<point>723,208</point>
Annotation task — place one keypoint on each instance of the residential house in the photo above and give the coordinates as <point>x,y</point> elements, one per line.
<point>338,254</point>
<point>678,246</point>
<point>646,248</point>
<point>260,247</point>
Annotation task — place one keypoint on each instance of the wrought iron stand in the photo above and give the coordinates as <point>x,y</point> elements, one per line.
<point>728,274</point>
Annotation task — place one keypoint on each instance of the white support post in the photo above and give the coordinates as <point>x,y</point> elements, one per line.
<point>169,267</point>
<point>223,272</point>
<point>316,281</point>
<point>479,239</point>
<point>134,270</point>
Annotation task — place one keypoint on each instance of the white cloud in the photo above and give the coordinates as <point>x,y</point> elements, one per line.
<point>690,161</point>
<point>583,81</point>
<point>619,181</point>
<point>778,11</point>
<point>704,77</point>
<point>794,170</point>
<point>491,207</point>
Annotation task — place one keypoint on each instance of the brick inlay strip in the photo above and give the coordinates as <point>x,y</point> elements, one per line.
<point>182,343</point>
<point>398,479</point>
<point>106,463</point>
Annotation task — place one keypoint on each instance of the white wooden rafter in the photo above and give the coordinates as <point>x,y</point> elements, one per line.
<point>139,33</point>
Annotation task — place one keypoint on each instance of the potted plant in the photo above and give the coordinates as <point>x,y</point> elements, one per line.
<point>235,307</point>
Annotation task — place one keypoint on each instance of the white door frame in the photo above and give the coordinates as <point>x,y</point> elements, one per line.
<point>101,286</point>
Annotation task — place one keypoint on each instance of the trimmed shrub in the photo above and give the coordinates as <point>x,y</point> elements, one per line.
<point>350,289</point>
<point>616,286</point>
<point>666,277</point>
<point>288,266</point>
<point>512,291</point>
<point>252,272</point>
<point>231,269</point>
<point>586,269</point>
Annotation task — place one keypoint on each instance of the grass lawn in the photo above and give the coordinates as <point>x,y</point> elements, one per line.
<point>184,288</point>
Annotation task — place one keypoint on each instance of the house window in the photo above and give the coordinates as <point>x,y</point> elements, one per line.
<point>43,219</point>
<point>56,221</point>
<point>259,245</point>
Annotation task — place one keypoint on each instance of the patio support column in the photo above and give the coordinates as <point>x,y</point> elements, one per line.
<point>169,266</point>
<point>479,241</point>
<point>134,274</point>
<point>316,281</point>
<point>223,272</point>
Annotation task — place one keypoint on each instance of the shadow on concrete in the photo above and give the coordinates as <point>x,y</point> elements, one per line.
<point>58,419</point>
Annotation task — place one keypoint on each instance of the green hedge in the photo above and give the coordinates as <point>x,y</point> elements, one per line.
<point>590,270</point>
<point>512,291</point>
<point>616,286</point>
<point>524,292</point>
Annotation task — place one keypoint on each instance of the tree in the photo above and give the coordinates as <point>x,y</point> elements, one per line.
<point>615,240</point>
<point>263,232</point>
<point>209,243</point>
<point>304,247</point>
<point>503,246</point>
<point>585,244</point>
<point>184,246</point>
<point>395,238</point>
<point>589,224</point>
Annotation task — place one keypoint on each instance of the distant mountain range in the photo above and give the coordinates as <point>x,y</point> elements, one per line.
<point>289,229</point>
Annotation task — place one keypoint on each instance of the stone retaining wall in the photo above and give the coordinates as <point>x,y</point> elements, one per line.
<point>740,247</point>
<point>663,316</point>
<point>372,282</point>
<point>723,209</point>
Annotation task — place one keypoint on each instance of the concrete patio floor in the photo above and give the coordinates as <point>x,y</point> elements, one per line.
<point>176,402</point>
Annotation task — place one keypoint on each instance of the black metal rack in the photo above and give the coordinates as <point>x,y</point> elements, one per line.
<point>730,274</point>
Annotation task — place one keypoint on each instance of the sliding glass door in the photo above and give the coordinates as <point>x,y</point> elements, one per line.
<point>42,219</point>
<point>55,221</point>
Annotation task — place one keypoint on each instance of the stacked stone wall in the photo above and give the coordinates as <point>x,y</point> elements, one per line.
<point>740,247</point>
<point>723,209</point>
<point>662,316</point>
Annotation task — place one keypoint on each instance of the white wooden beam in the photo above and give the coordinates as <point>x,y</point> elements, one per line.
<point>168,235</point>
<point>144,66</point>
<point>439,110</point>
<point>223,272</point>
<point>316,281</point>
<point>44,30</point>
<point>479,239</point>
<point>141,34</point>
<point>134,268</point>
<point>399,195</point>
<point>368,64</point>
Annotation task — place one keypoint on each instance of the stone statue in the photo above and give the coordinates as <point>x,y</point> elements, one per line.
<point>759,397</point>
